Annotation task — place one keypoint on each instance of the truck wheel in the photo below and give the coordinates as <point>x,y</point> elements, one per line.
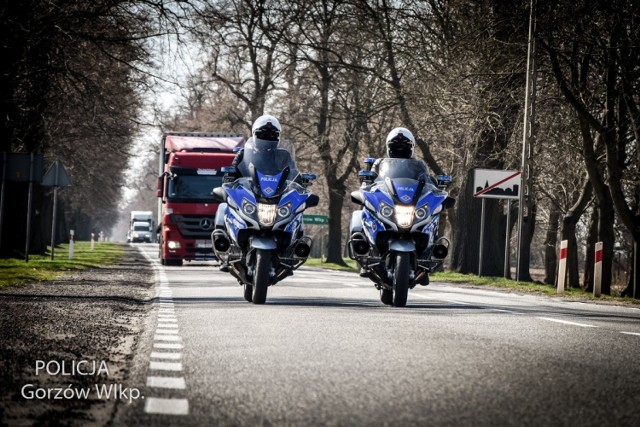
<point>401,279</point>
<point>173,262</point>
<point>261,276</point>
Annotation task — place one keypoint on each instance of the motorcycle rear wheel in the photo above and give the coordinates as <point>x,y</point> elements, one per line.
<point>401,279</point>
<point>261,276</point>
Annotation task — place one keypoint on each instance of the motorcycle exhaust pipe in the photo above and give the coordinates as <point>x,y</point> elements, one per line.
<point>303,248</point>
<point>440,251</point>
<point>221,241</point>
<point>359,244</point>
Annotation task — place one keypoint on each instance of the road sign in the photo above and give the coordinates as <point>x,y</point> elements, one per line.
<point>56,176</point>
<point>17,167</point>
<point>315,219</point>
<point>496,184</point>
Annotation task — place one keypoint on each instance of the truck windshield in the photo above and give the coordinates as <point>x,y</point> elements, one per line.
<point>141,228</point>
<point>193,188</point>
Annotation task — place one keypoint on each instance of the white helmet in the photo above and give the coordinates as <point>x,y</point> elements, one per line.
<point>267,128</point>
<point>400,143</point>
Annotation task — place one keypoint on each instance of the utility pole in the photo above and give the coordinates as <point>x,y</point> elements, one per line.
<point>528,135</point>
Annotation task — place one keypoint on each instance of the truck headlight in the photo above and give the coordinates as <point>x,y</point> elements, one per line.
<point>404,215</point>
<point>266,214</point>
<point>173,244</point>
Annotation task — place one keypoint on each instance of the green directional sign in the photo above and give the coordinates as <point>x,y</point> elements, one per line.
<point>315,219</point>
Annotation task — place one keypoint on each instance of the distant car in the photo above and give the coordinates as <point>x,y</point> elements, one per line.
<point>141,232</point>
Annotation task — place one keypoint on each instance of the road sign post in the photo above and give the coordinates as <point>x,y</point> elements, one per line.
<point>597,273</point>
<point>562,267</point>
<point>55,177</point>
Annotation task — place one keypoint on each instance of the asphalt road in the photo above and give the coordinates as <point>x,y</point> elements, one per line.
<point>324,351</point>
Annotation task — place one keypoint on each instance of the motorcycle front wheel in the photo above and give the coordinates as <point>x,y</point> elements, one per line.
<point>401,279</point>
<point>261,276</point>
<point>248,292</point>
<point>386,296</point>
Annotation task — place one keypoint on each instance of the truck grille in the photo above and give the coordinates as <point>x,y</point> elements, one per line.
<point>194,226</point>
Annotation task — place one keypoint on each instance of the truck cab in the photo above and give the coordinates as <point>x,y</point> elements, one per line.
<point>191,167</point>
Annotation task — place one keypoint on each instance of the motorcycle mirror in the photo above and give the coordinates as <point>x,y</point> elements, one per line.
<point>308,176</point>
<point>160,186</point>
<point>444,180</point>
<point>357,197</point>
<point>218,194</point>
<point>369,161</point>
<point>367,174</point>
<point>312,201</point>
<point>229,169</point>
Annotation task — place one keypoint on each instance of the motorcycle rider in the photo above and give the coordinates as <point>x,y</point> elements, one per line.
<point>400,145</point>
<point>264,141</point>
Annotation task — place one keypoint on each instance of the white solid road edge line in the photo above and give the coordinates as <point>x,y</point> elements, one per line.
<point>631,333</point>
<point>566,322</point>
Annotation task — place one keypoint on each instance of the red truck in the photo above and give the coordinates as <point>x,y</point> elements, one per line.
<point>190,167</point>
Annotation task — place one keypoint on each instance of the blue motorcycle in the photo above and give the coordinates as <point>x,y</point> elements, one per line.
<point>394,238</point>
<point>259,231</point>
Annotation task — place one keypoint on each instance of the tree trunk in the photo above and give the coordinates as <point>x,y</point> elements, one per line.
<point>550,247</point>
<point>336,202</point>
<point>634,272</point>
<point>592,238</point>
<point>569,224</point>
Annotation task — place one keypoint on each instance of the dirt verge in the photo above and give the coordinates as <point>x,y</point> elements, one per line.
<point>67,345</point>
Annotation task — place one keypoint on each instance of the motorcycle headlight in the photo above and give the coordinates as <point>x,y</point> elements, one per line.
<point>267,214</point>
<point>404,215</point>
<point>248,208</point>
<point>284,211</point>
<point>422,213</point>
<point>386,210</point>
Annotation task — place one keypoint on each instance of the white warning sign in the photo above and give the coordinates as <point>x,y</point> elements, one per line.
<point>496,184</point>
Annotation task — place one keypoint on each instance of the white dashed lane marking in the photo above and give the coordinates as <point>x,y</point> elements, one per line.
<point>163,355</point>
<point>167,382</point>
<point>566,322</point>
<point>156,405</point>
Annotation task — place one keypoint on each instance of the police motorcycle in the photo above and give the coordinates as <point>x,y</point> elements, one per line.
<point>394,238</point>
<point>259,231</point>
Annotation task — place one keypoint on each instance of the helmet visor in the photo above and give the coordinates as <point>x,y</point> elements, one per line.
<point>267,132</point>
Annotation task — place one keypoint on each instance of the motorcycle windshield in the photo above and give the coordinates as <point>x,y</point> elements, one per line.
<point>402,168</point>
<point>270,168</point>
<point>266,161</point>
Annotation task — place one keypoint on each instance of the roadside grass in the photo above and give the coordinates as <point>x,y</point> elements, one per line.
<point>42,268</point>
<point>497,282</point>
